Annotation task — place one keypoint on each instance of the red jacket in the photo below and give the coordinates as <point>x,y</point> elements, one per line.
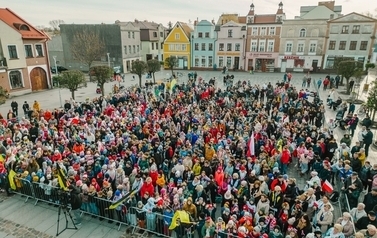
<point>276,182</point>
<point>147,188</point>
<point>285,157</point>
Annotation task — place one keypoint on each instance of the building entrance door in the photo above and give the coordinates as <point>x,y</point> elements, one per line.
<point>236,62</point>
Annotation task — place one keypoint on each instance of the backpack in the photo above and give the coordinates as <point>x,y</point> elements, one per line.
<point>334,197</point>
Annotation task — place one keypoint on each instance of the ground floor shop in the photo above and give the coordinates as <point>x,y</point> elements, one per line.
<point>300,63</point>
<point>261,62</point>
<point>331,59</point>
<point>183,60</point>
<point>233,61</point>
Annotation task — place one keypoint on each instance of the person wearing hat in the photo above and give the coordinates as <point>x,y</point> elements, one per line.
<point>363,222</point>
<point>76,202</point>
<point>353,188</point>
<point>275,232</point>
<point>208,230</point>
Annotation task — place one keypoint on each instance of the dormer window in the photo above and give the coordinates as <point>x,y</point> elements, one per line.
<point>21,27</point>
<point>250,20</point>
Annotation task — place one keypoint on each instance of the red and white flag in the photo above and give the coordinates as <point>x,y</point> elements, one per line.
<point>327,187</point>
<point>251,146</point>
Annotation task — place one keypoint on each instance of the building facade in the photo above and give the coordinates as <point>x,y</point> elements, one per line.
<point>302,39</point>
<point>177,44</point>
<point>351,36</point>
<point>112,45</point>
<point>131,44</point>
<point>230,45</point>
<point>263,40</point>
<point>203,40</point>
<point>152,36</point>
<point>24,64</point>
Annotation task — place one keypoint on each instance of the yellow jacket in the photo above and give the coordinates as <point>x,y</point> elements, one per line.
<point>196,169</point>
<point>209,152</point>
<point>36,106</point>
<point>362,158</point>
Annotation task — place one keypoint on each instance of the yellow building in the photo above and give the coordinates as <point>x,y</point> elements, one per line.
<point>177,44</point>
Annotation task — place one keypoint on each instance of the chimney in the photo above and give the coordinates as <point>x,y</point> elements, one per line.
<point>195,22</point>
<point>213,21</point>
<point>329,4</point>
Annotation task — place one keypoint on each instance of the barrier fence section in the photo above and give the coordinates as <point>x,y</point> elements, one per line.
<point>138,221</point>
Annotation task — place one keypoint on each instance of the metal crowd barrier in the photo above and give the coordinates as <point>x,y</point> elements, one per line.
<point>349,210</point>
<point>137,221</point>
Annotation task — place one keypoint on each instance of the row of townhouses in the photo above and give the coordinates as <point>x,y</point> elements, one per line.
<point>260,42</point>
<point>270,42</point>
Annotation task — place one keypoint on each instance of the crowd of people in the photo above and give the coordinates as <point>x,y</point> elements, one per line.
<point>221,156</point>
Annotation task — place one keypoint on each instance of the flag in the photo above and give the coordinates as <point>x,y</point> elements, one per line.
<point>172,84</point>
<point>327,187</point>
<point>2,158</point>
<point>61,178</point>
<point>123,199</point>
<point>73,121</point>
<point>11,176</point>
<point>183,216</point>
<point>251,145</point>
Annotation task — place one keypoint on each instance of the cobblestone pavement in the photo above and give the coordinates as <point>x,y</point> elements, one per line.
<point>13,229</point>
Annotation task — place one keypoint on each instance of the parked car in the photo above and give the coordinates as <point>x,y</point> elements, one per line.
<point>60,69</point>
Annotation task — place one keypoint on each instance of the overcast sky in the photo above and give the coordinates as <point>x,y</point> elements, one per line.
<point>40,12</point>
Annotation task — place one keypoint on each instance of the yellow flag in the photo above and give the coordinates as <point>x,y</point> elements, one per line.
<point>61,178</point>
<point>172,84</point>
<point>2,158</point>
<point>183,216</point>
<point>11,176</point>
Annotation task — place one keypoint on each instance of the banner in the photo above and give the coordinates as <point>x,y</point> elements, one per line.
<point>327,187</point>
<point>61,178</point>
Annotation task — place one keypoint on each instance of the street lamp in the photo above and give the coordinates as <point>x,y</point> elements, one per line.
<point>108,59</point>
<point>56,72</point>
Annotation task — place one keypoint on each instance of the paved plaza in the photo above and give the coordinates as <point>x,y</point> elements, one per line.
<point>25,219</point>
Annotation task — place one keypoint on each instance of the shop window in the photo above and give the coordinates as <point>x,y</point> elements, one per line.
<point>221,61</point>
<point>299,63</point>
<point>15,78</point>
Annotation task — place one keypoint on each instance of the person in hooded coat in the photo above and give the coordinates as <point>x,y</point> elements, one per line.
<point>150,215</point>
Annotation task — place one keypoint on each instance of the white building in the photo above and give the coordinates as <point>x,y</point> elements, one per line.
<point>351,36</point>
<point>230,46</point>
<point>303,39</point>
<point>130,38</point>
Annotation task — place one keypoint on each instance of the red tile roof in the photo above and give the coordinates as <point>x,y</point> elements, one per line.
<point>267,18</point>
<point>23,27</point>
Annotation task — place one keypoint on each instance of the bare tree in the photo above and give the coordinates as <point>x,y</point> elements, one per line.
<point>87,47</point>
<point>55,24</point>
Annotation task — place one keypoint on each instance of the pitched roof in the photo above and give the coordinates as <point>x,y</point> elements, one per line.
<point>265,18</point>
<point>26,30</point>
<point>241,19</point>
<point>353,17</point>
<point>146,25</point>
<point>186,28</point>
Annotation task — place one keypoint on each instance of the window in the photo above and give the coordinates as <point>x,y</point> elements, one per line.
<point>332,45</point>
<point>272,31</point>
<point>129,49</point>
<point>207,34</point>
<point>133,35</point>
<point>203,46</point>
<point>353,45</point>
<point>162,45</point>
<point>229,47</point>
<point>155,34</point>
<point>221,47</point>
<point>300,48</point>
<point>270,46</point>
<point>39,50</point>
<point>262,45</point>
<point>237,47</point>
<point>312,48</point>
<point>152,45</point>
<point>129,34</point>
<point>138,48</point>
<point>196,46</point>
<point>134,49</point>
<point>254,46</point>
<point>200,35</point>
<point>171,47</point>
<point>228,62</point>
<point>210,61</point>
<point>12,52</point>
<point>125,49</point>
<point>263,31</point>
<point>177,47</point>
<point>288,47</point>
<point>342,45</point>
<point>230,33</point>
<point>156,45</point>
<point>254,31</point>
<point>15,79</point>
<point>184,48</point>
<point>221,61</point>
<point>177,36</point>
<point>210,46</point>
<point>363,45</point>
<point>345,29</point>
<point>28,51</point>
<point>196,61</point>
<point>161,34</point>
<point>356,29</point>
<point>203,61</point>
<point>302,33</point>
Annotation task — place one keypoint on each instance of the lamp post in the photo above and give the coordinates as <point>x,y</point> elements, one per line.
<point>56,72</point>
<point>108,59</point>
